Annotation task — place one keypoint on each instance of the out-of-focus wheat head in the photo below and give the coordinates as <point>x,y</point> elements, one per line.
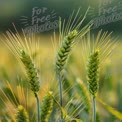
<point>12,97</point>
<point>47,107</point>
<point>21,115</point>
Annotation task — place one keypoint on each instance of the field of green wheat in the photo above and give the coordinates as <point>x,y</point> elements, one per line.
<point>70,76</point>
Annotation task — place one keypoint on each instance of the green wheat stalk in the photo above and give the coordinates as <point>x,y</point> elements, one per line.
<point>62,57</point>
<point>21,47</point>
<point>69,33</point>
<point>33,77</point>
<point>93,78</point>
<point>96,51</point>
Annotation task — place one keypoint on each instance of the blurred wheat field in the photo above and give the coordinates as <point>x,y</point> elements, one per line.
<point>11,73</point>
<point>61,63</point>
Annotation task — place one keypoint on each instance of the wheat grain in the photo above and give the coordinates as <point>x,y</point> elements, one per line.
<point>93,72</point>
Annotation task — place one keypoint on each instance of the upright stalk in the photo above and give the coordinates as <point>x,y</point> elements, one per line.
<point>38,107</point>
<point>60,94</point>
<point>61,59</point>
<point>94,108</point>
<point>32,76</point>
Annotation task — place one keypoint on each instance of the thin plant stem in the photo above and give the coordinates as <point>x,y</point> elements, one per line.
<point>94,108</point>
<point>60,94</point>
<point>38,107</point>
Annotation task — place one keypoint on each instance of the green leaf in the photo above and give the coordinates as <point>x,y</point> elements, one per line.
<point>111,110</point>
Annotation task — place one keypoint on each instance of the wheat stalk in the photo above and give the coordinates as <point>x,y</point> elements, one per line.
<point>68,34</point>
<point>33,77</point>
<point>21,47</point>
<point>31,71</point>
<point>96,50</point>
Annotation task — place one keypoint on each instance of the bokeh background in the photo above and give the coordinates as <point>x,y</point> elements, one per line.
<point>20,13</point>
<point>12,11</point>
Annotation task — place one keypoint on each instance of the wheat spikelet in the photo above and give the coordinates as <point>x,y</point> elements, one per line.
<point>21,115</point>
<point>31,71</point>
<point>69,33</point>
<point>46,107</point>
<point>93,72</point>
<point>64,51</point>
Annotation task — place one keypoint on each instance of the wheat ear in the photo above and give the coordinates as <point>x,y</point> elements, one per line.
<point>64,51</point>
<point>31,71</point>
<point>92,78</point>
<point>46,107</point>
<point>61,60</point>
<point>21,115</point>
<point>33,77</point>
<point>93,72</point>
<point>69,33</point>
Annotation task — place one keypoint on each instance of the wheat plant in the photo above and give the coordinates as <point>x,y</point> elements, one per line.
<point>97,51</point>
<point>68,35</point>
<point>57,105</point>
<point>20,48</point>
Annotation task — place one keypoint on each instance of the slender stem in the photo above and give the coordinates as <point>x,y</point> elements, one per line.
<point>60,93</point>
<point>60,89</point>
<point>38,107</point>
<point>60,109</point>
<point>94,108</point>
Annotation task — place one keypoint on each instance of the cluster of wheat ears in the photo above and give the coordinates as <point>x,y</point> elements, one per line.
<point>95,50</point>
